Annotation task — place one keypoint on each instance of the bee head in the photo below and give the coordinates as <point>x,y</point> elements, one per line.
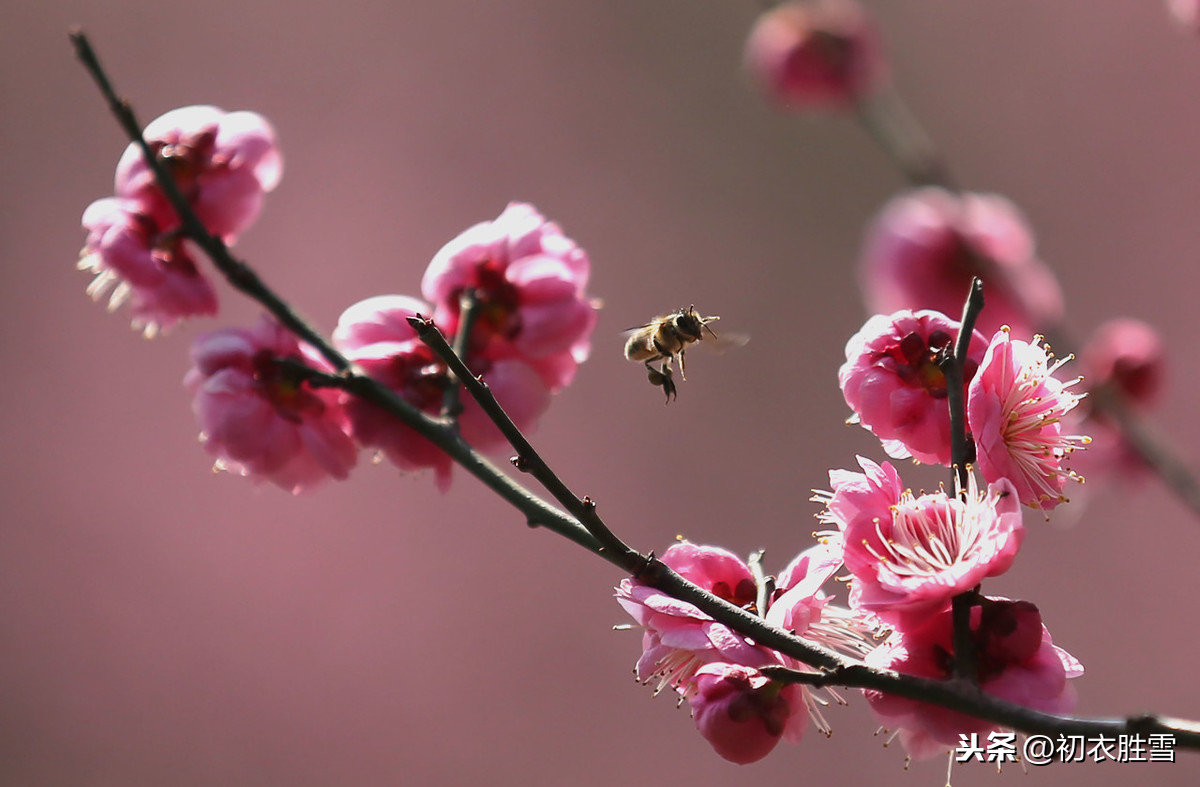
<point>692,325</point>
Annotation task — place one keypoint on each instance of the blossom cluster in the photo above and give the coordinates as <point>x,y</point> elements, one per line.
<point>894,382</point>
<point>904,560</point>
<point>526,329</point>
<point>922,251</point>
<point>907,556</point>
<point>889,576</point>
<point>222,163</point>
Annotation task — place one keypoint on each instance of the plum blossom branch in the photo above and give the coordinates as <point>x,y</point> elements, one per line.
<point>584,510</point>
<point>536,511</point>
<point>836,669</point>
<point>243,278</point>
<point>966,697</point>
<point>580,522</point>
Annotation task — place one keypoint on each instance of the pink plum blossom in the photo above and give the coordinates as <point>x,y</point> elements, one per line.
<point>739,711</point>
<point>1015,661</point>
<point>1186,14</point>
<point>910,555</point>
<point>530,282</point>
<point>222,162</point>
<point>892,381</point>
<point>138,264</point>
<point>815,55</point>
<point>1015,408</point>
<point>678,638</point>
<point>798,602</point>
<point>926,245</point>
<point>801,606</point>
<point>1127,354</point>
<point>375,334</point>
<point>258,418</point>
<point>744,714</point>
<point>1123,357</point>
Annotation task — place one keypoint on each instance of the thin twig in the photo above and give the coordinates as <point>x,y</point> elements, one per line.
<point>444,436</point>
<point>582,509</point>
<point>468,310</point>
<point>895,129</point>
<point>960,444</point>
<point>953,366</point>
<point>764,583</point>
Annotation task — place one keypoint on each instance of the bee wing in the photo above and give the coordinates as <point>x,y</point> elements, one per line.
<point>723,341</point>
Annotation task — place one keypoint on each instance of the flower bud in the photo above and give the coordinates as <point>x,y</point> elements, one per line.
<point>741,713</point>
<point>1127,354</point>
<point>814,55</point>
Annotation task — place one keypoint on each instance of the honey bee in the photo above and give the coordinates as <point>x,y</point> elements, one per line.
<point>665,338</point>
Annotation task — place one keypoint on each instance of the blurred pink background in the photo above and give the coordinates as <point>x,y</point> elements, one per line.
<point>163,625</point>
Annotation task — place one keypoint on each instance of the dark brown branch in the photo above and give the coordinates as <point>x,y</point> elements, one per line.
<point>531,462</point>
<point>965,697</point>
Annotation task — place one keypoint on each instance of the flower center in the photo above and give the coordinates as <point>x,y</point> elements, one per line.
<point>420,378</point>
<point>498,303</point>
<point>744,595</point>
<point>187,159</point>
<point>930,534</point>
<point>292,400</point>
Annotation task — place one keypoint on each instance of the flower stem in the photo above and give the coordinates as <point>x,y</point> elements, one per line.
<point>468,310</point>
<point>953,364</point>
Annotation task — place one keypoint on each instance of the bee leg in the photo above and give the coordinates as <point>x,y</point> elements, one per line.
<point>682,373</point>
<point>662,378</point>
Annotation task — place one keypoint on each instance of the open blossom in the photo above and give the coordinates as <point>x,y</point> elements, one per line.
<point>744,714</point>
<point>222,162</point>
<point>910,555</point>
<point>927,244</point>
<point>375,334</point>
<point>529,280</point>
<point>257,418</point>
<point>1015,661</point>
<point>822,54</point>
<point>892,381</point>
<point>1015,408</point>
<point>678,638</point>
<point>798,604</point>
<point>136,263</point>
<point>739,711</point>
